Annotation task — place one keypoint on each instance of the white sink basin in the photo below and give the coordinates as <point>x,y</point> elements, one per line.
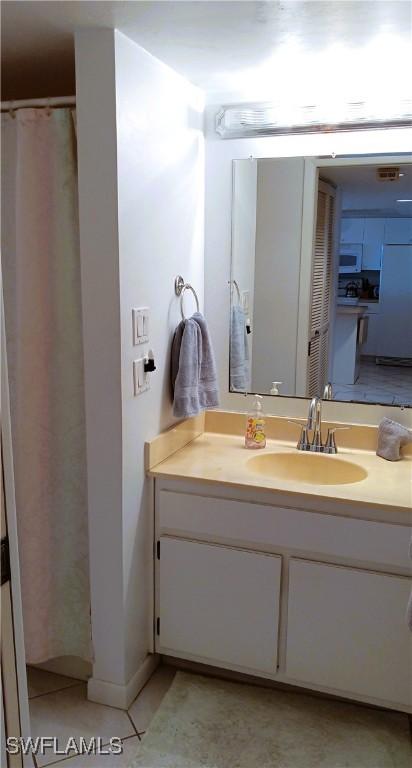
<point>310,468</point>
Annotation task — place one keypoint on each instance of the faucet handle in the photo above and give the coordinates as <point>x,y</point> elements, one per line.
<point>330,445</point>
<point>303,443</point>
<point>328,392</point>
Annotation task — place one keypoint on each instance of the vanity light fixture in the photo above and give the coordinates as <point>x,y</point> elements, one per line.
<point>405,200</point>
<point>270,119</point>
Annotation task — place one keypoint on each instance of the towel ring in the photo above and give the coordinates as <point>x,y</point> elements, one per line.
<point>180,288</point>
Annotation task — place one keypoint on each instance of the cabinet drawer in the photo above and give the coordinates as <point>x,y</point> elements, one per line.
<point>261,527</point>
<point>219,604</point>
<point>347,631</point>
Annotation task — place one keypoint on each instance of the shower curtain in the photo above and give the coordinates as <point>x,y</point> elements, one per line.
<point>41,279</point>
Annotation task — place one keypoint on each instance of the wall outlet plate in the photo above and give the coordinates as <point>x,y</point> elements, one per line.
<point>141,379</point>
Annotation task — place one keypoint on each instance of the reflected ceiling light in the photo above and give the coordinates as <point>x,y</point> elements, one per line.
<point>404,201</point>
<point>269,119</point>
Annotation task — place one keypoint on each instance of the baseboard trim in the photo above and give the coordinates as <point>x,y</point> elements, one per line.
<point>122,696</point>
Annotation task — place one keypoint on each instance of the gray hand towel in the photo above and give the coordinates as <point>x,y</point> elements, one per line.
<point>239,351</point>
<point>186,352</point>
<point>208,386</point>
<point>409,606</point>
<point>175,355</point>
<point>391,436</point>
<point>193,369</point>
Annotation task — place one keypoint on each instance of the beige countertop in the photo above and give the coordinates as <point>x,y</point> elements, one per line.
<point>222,458</point>
<point>351,309</point>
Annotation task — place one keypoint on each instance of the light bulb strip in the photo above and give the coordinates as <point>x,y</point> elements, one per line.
<point>266,119</point>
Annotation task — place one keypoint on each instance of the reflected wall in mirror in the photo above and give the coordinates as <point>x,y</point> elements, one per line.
<point>321,280</point>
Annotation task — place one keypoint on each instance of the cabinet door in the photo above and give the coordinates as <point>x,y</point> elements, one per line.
<point>398,231</point>
<point>351,230</point>
<point>371,345</point>
<point>373,239</point>
<point>347,631</point>
<point>219,604</point>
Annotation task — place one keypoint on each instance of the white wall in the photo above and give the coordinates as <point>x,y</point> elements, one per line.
<point>219,156</point>
<point>278,239</point>
<point>244,236</point>
<point>96,138</point>
<point>141,179</point>
<point>160,155</point>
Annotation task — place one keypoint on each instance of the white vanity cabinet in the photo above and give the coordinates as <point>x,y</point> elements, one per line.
<point>219,603</point>
<point>353,624</point>
<point>301,591</point>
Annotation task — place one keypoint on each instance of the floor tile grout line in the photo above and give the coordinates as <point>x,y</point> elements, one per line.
<point>374,381</point>
<point>159,666</point>
<point>70,757</point>
<point>58,690</point>
<point>78,683</point>
<point>132,722</point>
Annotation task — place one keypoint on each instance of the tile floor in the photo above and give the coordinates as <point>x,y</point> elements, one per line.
<point>391,385</point>
<point>59,707</point>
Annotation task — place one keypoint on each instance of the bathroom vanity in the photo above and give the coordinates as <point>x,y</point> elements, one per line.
<point>297,581</point>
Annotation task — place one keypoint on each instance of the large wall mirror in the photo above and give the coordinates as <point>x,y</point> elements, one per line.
<point>321,279</point>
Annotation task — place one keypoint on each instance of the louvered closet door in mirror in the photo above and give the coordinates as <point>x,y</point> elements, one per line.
<point>321,294</point>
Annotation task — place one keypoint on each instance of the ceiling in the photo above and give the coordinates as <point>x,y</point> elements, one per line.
<point>362,190</point>
<point>243,49</point>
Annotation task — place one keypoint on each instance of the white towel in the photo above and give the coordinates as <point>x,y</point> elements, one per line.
<point>239,351</point>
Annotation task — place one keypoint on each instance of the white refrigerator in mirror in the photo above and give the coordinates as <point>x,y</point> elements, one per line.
<point>395,302</point>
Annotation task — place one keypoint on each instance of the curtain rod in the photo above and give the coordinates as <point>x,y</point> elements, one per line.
<point>54,101</point>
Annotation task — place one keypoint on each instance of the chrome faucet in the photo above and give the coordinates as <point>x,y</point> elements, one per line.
<point>314,423</point>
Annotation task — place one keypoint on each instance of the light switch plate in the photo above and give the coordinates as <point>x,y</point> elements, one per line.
<point>140,317</point>
<point>141,379</point>
<point>245,301</point>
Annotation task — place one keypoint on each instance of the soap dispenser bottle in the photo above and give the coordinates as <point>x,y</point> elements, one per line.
<point>255,436</point>
<point>275,387</point>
